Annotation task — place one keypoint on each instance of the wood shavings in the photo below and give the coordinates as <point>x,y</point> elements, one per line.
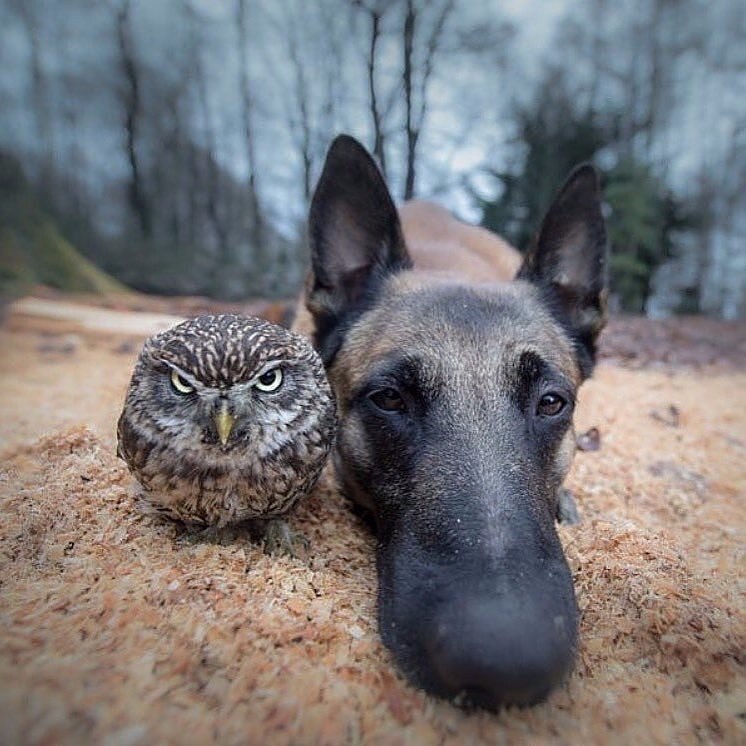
<point>113,630</point>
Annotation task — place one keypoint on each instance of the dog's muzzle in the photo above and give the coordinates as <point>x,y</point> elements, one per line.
<point>487,627</point>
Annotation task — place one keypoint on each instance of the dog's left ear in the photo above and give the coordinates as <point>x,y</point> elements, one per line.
<point>568,261</point>
<point>356,240</point>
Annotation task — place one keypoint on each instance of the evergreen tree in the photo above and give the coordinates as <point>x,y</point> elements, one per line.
<point>556,134</point>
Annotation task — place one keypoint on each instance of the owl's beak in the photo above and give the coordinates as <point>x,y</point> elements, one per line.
<point>224,421</point>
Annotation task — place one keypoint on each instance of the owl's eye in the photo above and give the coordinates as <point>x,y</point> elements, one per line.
<point>179,384</point>
<point>270,380</point>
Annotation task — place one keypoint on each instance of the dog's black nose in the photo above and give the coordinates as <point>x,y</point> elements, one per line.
<point>504,651</point>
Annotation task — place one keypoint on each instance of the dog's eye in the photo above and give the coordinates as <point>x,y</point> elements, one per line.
<point>179,384</point>
<point>388,400</point>
<point>550,405</point>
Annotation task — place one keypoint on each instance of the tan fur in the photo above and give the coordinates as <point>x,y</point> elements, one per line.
<point>438,241</point>
<point>384,333</point>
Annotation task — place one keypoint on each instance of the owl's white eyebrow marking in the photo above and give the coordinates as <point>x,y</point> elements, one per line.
<point>183,373</point>
<point>269,365</point>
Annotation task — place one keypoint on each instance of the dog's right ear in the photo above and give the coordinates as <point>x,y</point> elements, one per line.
<point>568,261</point>
<point>355,235</point>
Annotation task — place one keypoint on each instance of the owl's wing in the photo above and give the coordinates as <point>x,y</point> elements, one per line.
<point>126,442</point>
<point>120,454</point>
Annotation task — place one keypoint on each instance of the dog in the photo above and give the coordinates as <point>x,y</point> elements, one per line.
<point>455,363</point>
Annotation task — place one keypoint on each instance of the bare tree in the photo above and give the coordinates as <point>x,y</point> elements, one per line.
<point>416,77</point>
<point>374,12</point>
<point>29,15</point>
<point>131,98</point>
<point>302,121</point>
<point>212,186</point>
<point>415,31</point>
<point>247,115</point>
<point>630,56</point>
<point>311,84</point>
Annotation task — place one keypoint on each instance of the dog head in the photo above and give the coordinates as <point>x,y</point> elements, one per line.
<point>456,405</point>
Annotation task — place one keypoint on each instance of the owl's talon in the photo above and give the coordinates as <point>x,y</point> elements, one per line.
<point>280,539</point>
<point>222,535</point>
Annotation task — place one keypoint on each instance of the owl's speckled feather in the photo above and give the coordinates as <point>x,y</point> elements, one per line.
<point>169,433</point>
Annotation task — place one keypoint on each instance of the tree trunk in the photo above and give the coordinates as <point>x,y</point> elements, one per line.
<point>137,198</point>
<point>379,137</point>
<point>257,229</point>
<point>303,126</point>
<point>39,93</point>
<point>212,186</point>
<point>409,127</point>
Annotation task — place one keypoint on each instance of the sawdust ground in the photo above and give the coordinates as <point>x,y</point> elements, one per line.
<point>112,629</point>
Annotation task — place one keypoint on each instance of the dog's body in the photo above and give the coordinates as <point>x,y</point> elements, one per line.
<point>436,241</point>
<point>455,385</point>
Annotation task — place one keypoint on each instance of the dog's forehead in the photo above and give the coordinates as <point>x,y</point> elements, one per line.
<point>455,327</point>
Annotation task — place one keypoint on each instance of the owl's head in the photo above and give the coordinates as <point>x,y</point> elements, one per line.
<point>227,381</point>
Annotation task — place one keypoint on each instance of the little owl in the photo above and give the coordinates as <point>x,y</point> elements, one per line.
<point>227,419</point>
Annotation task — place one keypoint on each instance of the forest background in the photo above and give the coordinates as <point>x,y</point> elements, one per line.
<point>175,144</point>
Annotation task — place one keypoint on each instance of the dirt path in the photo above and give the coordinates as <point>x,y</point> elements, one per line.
<point>112,629</point>
<point>87,318</point>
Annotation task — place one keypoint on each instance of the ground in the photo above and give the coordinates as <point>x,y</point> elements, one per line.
<point>113,630</point>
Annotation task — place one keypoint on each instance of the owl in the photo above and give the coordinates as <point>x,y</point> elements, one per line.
<point>227,419</point>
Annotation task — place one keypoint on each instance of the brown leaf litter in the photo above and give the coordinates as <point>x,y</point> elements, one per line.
<point>590,440</point>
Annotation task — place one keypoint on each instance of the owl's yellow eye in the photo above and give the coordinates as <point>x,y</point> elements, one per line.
<point>180,384</point>
<point>270,380</point>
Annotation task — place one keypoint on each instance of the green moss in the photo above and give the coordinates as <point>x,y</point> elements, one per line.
<point>32,248</point>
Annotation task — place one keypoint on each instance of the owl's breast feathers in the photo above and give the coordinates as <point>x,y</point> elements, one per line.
<point>191,491</point>
<point>203,484</point>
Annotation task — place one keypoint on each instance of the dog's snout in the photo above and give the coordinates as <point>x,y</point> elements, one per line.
<point>495,652</point>
<point>494,623</point>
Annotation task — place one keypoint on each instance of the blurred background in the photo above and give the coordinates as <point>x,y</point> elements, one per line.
<point>172,146</point>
